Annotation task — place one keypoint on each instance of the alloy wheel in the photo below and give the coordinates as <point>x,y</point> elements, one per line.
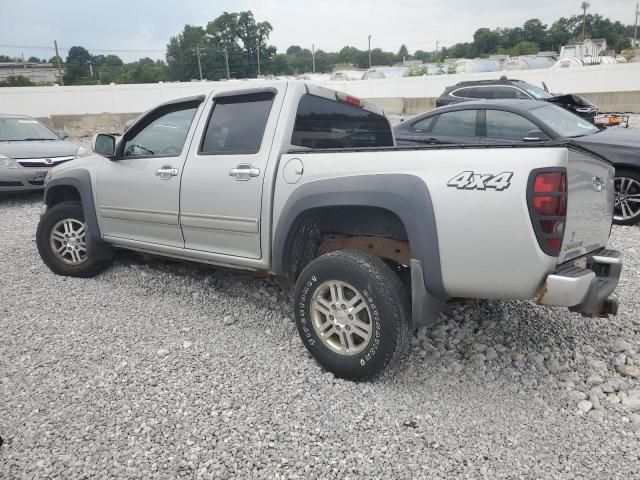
<point>341,318</point>
<point>68,241</point>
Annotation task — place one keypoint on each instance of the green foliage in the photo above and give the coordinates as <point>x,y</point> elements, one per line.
<point>17,81</point>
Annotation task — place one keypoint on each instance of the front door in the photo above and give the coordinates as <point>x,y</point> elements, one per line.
<point>138,193</point>
<point>221,197</point>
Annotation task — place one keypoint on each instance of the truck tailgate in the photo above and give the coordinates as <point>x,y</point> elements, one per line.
<point>589,206</point>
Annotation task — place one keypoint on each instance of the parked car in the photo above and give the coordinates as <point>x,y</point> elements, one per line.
<point>511,89</point>
<point>510,122</point>
<point>28,150</point>
<point>306,184</point>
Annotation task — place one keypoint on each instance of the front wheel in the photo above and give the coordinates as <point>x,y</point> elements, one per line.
<point>61,240</point>
<point>351,314</point>
<point>627,201</point>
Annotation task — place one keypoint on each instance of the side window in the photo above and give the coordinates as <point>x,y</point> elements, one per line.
<point>423,125</point>
<point>323,123</point>
<point>507,126</point>
<point>237,124</point>
<point>482,92</point>
<point>456,124</point>
<point>461,92</point>
<point>508,93</point>
<point>164,136</point>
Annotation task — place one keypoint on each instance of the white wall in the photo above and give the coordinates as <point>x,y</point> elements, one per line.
<point>92,99</point>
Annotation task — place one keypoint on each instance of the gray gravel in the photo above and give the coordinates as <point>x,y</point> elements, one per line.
<point>158,370</point>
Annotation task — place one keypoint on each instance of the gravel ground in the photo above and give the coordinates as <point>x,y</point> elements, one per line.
<point>172,370</point>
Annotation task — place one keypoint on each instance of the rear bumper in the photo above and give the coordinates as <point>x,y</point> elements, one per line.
<point>22,179</point>
<point>585,289</point>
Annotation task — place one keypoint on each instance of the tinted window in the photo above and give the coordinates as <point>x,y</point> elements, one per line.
<point>482,92</point>
<point>507,125</point>
<point>323,123</point>
<point>164,136</point>
<point>237,124</point>
<point>459,124</point>
<point>562,122</point>
<point>508,93</point>
<point>461,92</point>
<point>423,124</point>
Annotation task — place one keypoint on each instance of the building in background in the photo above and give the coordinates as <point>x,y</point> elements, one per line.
<point>36,72</point>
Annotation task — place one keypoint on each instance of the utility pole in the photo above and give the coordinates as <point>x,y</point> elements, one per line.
<point>226,61</point>
<point>369,51</point>
<point>635,32</point>
<point>259,41</point>
<point>585,6</point>
<point>60,78</point>
<point>197,50</point>
<point>313,56</point>
<point>437,45</point>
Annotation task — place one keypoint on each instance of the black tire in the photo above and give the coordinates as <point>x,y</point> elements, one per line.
<point>384,295</point>
<point>634,176</point>
<point>90,267</point>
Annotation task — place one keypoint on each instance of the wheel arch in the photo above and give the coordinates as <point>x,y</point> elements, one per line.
<point>75,185</point>
<point>402,196</point>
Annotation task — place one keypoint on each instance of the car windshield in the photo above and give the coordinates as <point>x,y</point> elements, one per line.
<point>24,129</point>
<point>536,92</point>
<point>564,123</point>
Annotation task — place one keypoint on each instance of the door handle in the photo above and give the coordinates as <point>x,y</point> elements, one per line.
<point>244,172</point>
<point>166,172</point>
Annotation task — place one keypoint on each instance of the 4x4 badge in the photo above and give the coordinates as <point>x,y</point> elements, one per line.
<point>478,181</point>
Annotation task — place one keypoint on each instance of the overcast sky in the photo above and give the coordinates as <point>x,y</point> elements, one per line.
<point>330,24</point>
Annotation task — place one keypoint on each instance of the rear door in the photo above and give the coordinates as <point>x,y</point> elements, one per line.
<point>449,128</point>
<point>222,183</point>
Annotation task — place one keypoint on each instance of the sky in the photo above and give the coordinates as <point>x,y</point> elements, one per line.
<point>138,28</point>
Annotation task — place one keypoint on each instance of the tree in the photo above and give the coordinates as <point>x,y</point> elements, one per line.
<point>403,54</point>
<point>6,59</point>
<point>535,31</point>
<point>77,70</point>
<point>181,57</point>
<point>486,41</point>
<point>34,60</point>
<point>16,81</point>
<point>524,48</point>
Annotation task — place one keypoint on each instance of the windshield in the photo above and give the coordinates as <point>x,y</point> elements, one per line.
<point>21,129</point>
<point>564,123</point>
<point>536,92</point>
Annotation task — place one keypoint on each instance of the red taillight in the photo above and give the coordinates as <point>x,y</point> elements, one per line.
<point>550,182</point>
<point>547,196</point>
<point>348,99</point>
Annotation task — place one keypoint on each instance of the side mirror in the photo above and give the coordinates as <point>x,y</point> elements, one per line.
<point>63,133</point>
<point>104,144</point>
<point>535,136</point>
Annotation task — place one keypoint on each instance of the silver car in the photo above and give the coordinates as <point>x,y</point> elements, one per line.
<point>28,149</point>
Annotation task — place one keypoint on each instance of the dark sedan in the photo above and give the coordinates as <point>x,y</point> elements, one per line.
<point>505,122</point>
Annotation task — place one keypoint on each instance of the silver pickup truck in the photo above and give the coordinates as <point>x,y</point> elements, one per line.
<point>306,184</point>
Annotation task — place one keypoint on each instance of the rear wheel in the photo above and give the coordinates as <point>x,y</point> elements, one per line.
<point>627,200</point>
<point>351,314</point>
<point>62,242</point>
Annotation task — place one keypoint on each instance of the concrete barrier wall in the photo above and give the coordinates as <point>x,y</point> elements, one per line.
<point>611,87</point>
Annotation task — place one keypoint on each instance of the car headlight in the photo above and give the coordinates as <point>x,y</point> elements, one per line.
<point>7,162</point>
<point>83,152</point>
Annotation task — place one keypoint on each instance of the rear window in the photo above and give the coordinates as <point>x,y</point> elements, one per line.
<point>322,124</point>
